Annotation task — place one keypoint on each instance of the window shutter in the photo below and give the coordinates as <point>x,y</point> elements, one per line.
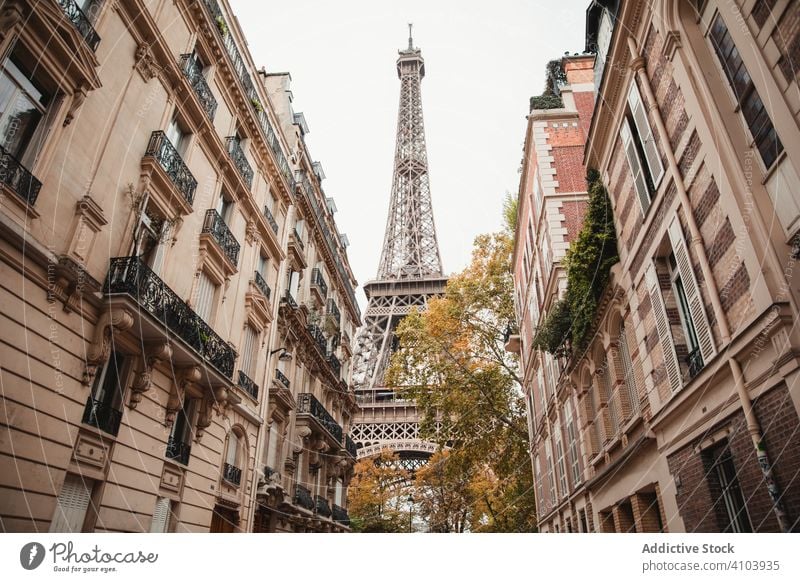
<point>646,134</point>
<point>636,167</point>
<point>160,516</point>
<point>692,290</point>
<point>664,333</point>
<point>249,350</point>
<point>73,501</point>
<point>205,296</point>
<point>233,444</point>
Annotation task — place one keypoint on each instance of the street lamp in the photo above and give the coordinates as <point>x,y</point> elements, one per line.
<point>285,356</point>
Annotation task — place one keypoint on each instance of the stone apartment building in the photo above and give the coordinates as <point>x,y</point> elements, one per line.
<point>684,407</point>
<point>176,299</point>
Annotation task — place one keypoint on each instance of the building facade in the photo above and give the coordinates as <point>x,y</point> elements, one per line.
<point>177,299</point>
<point>687,397</point>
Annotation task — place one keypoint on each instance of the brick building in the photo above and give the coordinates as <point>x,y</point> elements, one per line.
<point>176,299</point>
<point>686,400</point>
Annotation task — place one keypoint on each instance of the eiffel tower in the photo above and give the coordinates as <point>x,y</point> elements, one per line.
<point>410,272</point>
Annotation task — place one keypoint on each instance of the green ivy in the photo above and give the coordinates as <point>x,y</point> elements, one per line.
<point>546,102</point>
<point>222,25</point>
<point>257,105</point>
<point>569,322</point>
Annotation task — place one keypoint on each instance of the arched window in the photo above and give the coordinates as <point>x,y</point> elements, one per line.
<point>232,472</point>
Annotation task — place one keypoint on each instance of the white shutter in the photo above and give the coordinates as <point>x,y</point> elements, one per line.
<point>73,501</point>
<point>664,333</point>
<point>248,351</point>
<point>233,444</point>
<point>645,134</point>
<point>636,167</point>
<point>272,451</point>
<point>692,290</point>
<point>204,297</point>
<point>160,516</point>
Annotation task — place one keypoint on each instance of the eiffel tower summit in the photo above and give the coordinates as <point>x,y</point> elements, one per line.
<point>409,273</point>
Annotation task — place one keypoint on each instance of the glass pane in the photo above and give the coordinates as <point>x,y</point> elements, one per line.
<point>18,123</point>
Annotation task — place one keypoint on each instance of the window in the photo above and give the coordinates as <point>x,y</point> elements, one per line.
<point>148,237</point>
<point>23,106</point>
<point>161,516</point>
<point>104,406</point>
<point>627,369</point>
<point>695,359</point>
<point>177,136</point>
<point>582,521</point>
<point>338,496</point>
<point>232,472</point>
<point>224,207</point>
<point>178,446</point>
<point>572,442</point>
<point>294,284</point>
<point>551,477</point>
<point>591,403</point>
<point>272,449</point>
<point>607,387</point>
<point>604,32</point>
<point>561,466</point>
<point>72,505</point>
<point>249,351</point>
<point>205,296</point>
<point>537,469</point>
<point>640,149</point>
<point>261,265</point>
<point>763,133</point>
<point>729,501</point>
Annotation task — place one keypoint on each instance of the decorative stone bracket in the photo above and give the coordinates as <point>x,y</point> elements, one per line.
<point>153,355</point>
<point>112,320</point>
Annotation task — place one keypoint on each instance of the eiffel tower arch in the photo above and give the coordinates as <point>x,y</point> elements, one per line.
<point>409,274</point>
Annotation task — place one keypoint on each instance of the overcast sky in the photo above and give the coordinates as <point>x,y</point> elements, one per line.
<point>483,61</point>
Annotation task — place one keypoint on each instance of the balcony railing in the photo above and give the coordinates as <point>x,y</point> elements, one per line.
<point>319,337</point>
<point>350,446</point>
<point>130,276</point>
<point>262,285</point>
<point>240,160</point>
<point>81,22</point>
<point>17,177</point>
<point>281,377</point>
<point>308,404</point>
<point>271,220</point>
<point>162,150</point>
<point>302,497</point>
<point>298,239</point>
<point>178,451</point>
<point>215,225</point>
<point>199,85</point>
<point>319,281</point>
<point>340,515</point>
<point>335,364</point>
<point>232,474</point>
<point>102,415</point>
<point>322,506</point>
<point>695,362</point>
<point>246,384</point>
<point>290,300</point>
<point>333,312</point>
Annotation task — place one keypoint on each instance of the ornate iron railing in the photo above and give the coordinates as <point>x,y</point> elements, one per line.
<point>340,515</point>
<point>178,451</point>
<point>335,364</point>
<point>199,85</point>
<point>130,276</point>
<point>695,362</point>
<point>271,220</point>
<point>81,22</point>
<point>232,474</point>
<point>162,150</point>
<point>240,160</point>
<point>281,377</point>
<point>350,446</point>
<point>308,404</point>
<point>333,312</point>
<point>322,506</point>
<point>262,285</point>
<point>290,301</point>
<point>318,280</point>
<point>17,177</point>
<point>319,337</point>
<point>298,239</point>
<point>246,384</point>
<point>215,225</point>
<point>302,497</point>
<point>102,415</point>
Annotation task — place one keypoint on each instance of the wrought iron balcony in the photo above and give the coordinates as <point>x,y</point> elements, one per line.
<point>271,219</point>
<point>240,160</point>
<point>340,515</point>
<point>322,506</point>
<point>317,280</point>
<point>17,177</point>
<point>262,285</point>
<point>297,239</point>
<point>695,362</point>
<point>308,404</point>
<point>102,415</point>
<point>215,225</point>
<point>178,451</point>
<point>350,446</point>
<point>290,300</point>
<point>81,22</point>
<point>162,150</point>
<point>246,384</point>
<point>199,85</point>
<point>281,377</point>
<point>335,364</point>
<point>333,313</point>
<point>232,474</point>
<point>302,497</point>
<point>130,276</point>
<point>319,337</point>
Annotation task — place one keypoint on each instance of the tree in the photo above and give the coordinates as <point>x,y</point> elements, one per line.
<point>375,496</point>
<point>451,360</point>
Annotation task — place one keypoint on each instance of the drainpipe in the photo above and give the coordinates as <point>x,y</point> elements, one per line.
<point>753,427</point>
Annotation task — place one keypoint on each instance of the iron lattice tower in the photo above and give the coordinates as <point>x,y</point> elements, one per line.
<point>410,272</point>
